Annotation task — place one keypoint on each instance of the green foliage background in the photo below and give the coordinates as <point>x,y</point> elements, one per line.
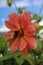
<point>33,58</point>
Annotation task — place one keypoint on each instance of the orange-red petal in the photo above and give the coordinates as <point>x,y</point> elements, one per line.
<point>31,28</point>
<point>28,34</point>
<point>21,21</point>
<point>14,47</point>
<point>31,42</point>
<point>14,19</point>
<point>24,51</point>
<point>27,16</point>
<point>10,43</point>
<point>8,34</point>
<point>10,25</point>
<point>24,19</point>
<point>22,44</point>
<point>35,25</point>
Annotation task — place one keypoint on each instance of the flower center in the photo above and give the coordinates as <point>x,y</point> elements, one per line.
<point>18,33</point>
<point>21,33</point>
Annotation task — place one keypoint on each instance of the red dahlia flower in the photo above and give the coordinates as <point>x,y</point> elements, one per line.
<point>21,32</point>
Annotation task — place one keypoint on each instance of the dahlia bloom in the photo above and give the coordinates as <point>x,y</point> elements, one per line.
<point>21,32</point>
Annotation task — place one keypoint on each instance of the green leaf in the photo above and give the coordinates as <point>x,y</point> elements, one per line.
<point>37,17</point>
<point>3,43</point>
<point>39,47</point>
<point>41,57</point>
<point>6,57</point>
<point>19,61</point>
<point>39,28</point>
<point>17,54</point>
<point>18,57</point>
<point>30,59</point>
<point>1,63</point>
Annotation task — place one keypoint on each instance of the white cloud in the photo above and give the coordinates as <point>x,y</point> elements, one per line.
<point>3,3</point>
<point>4,29</point>
<point>37,3</point>
<point>22,3</point>
<point>41,31</point>
<point>41,23</point>
<point>41,34</point>
<point>34,21</point>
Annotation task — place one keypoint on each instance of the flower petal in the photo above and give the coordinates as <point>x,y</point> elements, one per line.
<point>31,42</point>
<point>31,28</point>
<point>14,19</point>
<point>21,21</point>
<point>24,51</point>
<point>24,19</point>
<point>8,34</point>
<point>35,25</point>
<point>27,16</point>
<point>14,47</point>
<point>28,34</point>
<point>22,44</point>
<point>10,43</point>
<point>10,25</point>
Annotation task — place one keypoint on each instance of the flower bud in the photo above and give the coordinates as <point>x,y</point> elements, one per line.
<point>9,2</point>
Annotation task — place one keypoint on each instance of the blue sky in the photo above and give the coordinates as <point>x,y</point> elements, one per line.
<point>31,5</point>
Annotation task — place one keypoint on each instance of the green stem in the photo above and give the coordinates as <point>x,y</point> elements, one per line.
<point>41,8</point>
<point>15,5</point>
<point>35,57</point>
<point>40,62</point>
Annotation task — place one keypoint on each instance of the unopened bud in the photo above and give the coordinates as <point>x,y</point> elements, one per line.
<point>9,2</point>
